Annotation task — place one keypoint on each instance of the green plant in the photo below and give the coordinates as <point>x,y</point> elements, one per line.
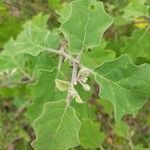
<point>48,59</point>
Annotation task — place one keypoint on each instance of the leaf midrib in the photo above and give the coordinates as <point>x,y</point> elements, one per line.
<point>61,122</point>
<point>114,83</point>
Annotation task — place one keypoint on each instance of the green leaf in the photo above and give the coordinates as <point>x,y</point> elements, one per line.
<point>54,4</point>
<point>85,111</point>
<point>90,135</point>
<point>34,39</point>
<point>14,28</point>
<point>85,96</point>
<point>39,21</point>
<point>44,91</point>
<point>121,129</point>
<point>64,13</point>
<point>107,106</point>
<point>44,61</point>
<point>5,64</point>
<point>93,58</point>
<point>138,45</point>
<point>139,146</point>
<point>2,6</point>
<point>62,85</point>
<point>135,9</point>
<point>15,66</point>
<point>82,29</point>
<point>57,128</point>
<point>125,85</point>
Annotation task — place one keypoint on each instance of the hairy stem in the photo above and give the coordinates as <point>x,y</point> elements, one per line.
<point>69,57</point>
<point>73,80</point>
<point>76,63</point>
<point>74,73</point>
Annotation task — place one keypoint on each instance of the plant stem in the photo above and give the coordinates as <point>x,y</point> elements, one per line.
<point>53,51</point>
<point>8,84</point>
<point>69,57</point>
<point>130,144</point>
<point>60,58</point>
<point>76,63</point>
<point>74,73</point>
<point>73,80</point>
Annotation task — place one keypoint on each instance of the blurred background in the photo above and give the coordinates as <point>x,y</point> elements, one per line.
<point>131,24</point>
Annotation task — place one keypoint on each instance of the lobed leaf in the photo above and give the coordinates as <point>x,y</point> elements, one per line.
<point>44,91</point>
<point>138,45</point>
<point>64,13</point>
<point>57,128</point>
<point>125,85</point>
<point>85,25</point>
<point>95,57</point>
<point>135,9</point>
<point>34,38</point>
